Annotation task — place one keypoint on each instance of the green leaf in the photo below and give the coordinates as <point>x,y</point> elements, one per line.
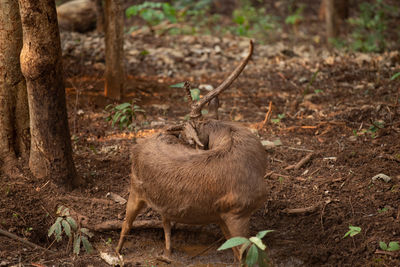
<point>115,118</point>
<point>178,85</point>
<point>58,230</point>
<point>132,11</point>
<point>86,232</point>
<point>383,245</point>
<point>67,228</point>
<point>233,242</point>
<point>195,94</point>
<point>258,242</point>
<point>252,256</point>
<point>109,106</point>
<point>77,244</point>
<point>261,234</point>
<point>53,227</point>
<point>72,223</point>
<point>86,244</point>
<point>395,76</point>
<point>394,246</point>
<point>354,230</point>
<point>122,106</point>
<point>263,260</point>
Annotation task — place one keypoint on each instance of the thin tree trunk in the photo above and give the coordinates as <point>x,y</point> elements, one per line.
<point>332,30</point>
<point>114,38</point>
<point>14,115</point>
<point>51,152</point>
<point>99,15</point>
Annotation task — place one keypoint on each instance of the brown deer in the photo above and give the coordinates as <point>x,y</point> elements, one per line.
<point>221,183</point>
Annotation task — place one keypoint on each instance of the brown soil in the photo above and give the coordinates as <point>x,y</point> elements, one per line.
<point>333,118</point>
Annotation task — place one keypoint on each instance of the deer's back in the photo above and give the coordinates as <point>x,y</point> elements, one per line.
<point>197,186</point>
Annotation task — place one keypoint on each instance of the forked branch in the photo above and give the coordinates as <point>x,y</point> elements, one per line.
<point>196,107</point>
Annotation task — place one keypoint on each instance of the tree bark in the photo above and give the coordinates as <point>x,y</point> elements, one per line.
<point>14,115</point>
<point>99,15</point>
<point>331,19</point>
<point>114,39</point>
<point>51,151</point>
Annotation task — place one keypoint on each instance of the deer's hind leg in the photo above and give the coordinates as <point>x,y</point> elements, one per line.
<point>133,207</point>
<point>233,226</point>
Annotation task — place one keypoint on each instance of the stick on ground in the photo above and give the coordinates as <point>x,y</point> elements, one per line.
<point>26,242</point>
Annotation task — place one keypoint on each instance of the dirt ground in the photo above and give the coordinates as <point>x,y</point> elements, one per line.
<point>339,108</point>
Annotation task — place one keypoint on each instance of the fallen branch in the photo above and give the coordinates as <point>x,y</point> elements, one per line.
<point>114,225</point>
<point>26,242</point>
<point>306,209</point>
<point>117,224</point>
<point>300,163</point>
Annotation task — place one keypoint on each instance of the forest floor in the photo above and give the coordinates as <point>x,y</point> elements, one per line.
<point>339,108</point>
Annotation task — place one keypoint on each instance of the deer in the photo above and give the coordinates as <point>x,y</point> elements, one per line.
<point>220,180</point>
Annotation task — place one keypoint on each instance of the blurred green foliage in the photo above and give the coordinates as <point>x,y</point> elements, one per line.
<point>251,19</point>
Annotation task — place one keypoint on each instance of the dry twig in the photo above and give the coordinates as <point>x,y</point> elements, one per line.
<point>267,116</point>
<point>306,209</point>
<point>300,164</point>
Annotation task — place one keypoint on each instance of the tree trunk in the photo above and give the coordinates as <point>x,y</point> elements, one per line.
<point>14,115</point>
<point>99,15</point>
<point>114,38</point>
<point>51,152</point>
<point>332,29</point>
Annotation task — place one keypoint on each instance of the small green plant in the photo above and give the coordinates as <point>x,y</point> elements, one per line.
<point>252,22</point>
<point>392,246</point>
<point>296,17</point>
<point>370,26</point>
<point>66,224</point>
<point>375,127</point>
<point>123,114</point>
<point>382,210</point>
<point>353,230</point>
<point>153,13</point>
<point>255,248</point>
<point>278,119</point>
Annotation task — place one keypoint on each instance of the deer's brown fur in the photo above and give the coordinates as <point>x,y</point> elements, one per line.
<point>221,183</point>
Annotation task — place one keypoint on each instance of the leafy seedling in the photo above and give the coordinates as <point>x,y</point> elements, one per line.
<point>123,114</point>
<point>353,230</point>
<point>392,246</point>
<point>255,248</point>
<point>278,119</point>
<point>66,224</point>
